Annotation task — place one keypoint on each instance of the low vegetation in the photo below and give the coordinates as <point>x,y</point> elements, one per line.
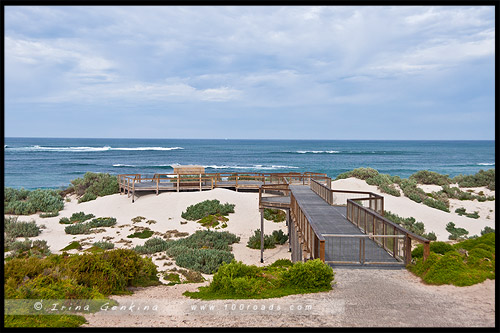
<point>85,276</point>
<point>146,233</point>
<point>440,199</point>
<point>236,280</point>
<point>204,251</point>
<point>463,264</point>
<point>212,221</point>
<point>461,211</point>
<point>275,215</point>
<point>410,224</point>
<point>205,208</point>
<point>86,227</point>
<point>270,241</point>
<point>456,233</point>
<point>25,202</point>
<point>76,218</point>
<point>92,185</point>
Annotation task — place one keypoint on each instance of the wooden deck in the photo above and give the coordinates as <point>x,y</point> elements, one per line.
<point>345,243</point>
<point>353,234</point>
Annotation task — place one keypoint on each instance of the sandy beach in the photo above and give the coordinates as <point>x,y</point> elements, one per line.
<point>357,293</point>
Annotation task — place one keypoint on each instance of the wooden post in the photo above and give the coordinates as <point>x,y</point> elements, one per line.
<point>261,235</point>
<point>408,250</point>
<point>200,182</point>
<point>178,182</point>
<point>426,250</point>
<point>236,182</point>
<point>157,184</point>
<point>394,245</point>
<point>289,230</point>
<point>322,250</point>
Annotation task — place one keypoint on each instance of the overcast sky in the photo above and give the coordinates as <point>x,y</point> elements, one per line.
<point>250,72</point>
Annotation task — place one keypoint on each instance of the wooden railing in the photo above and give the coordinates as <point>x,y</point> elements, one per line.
<point>370,220</point>
<point>282,190</point>
<point>311,240</point>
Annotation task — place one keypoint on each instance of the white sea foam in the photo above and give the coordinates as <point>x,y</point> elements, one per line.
<point>251,167</point>
<point>486,164</point>
<point>317,151</point>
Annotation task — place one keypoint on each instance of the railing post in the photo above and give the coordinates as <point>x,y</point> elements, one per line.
<point>426,250</point>
<point>322,250</point>
<point>408,250</point>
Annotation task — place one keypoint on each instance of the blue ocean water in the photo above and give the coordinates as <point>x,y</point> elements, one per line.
<point>54,162</point>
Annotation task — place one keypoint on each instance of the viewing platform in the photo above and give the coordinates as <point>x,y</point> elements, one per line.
<point>337,226</point>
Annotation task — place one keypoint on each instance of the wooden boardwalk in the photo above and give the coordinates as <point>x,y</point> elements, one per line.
<point>332,220</point>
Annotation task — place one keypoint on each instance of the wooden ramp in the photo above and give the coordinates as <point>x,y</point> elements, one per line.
<point>344,242</point>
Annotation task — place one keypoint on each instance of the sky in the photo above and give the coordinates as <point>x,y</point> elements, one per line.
<point>257,72</point>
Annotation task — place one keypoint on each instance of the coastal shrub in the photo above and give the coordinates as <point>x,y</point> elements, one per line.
<point>27,248</point>
<point>385,184</point>
<point>438,204</point>
<point>236,280</point>
<point>205,208</point>
<point>152,245</point>
<point>203,260</point>
<point>461,211</point>
<point>49,214</point>
<point>471,261</point>
<point>275,215</point>
<point>410,224</point>
<point>93,185</point>
<point>282,263</point>
<point>72,246</point>
<point>14,228</point>
<point>80,217</point>
<point>456,233</point>
<point>436,247</point>
<point>24,202</point>
<point>102,222</point>
<point>487,230</point>
<point>138,219</point>
<point>208,239</point>
<point>360,173</point>
<point>481,178</point>
<point>254,241</point>
<point>279,237</point>
<point>146,233</point>
<point>104,245</point>
<point>430,177</point>
<point>77,229</point>
<point>212,220</point>
<point>87,197</point>
<point>313,274</point>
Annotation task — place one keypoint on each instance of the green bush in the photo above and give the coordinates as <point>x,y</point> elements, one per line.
<point>102,222</point>
<point>212,220</point>
<point>146,233</point>
<point>236,280</point>
<point>436,247</point>
<point>208,239</point>
<point>430,177</point>
<point>473,266</point>
<point>23,202</point>
<point>104,245</point>
<point>481,178</point>
<point>77,229</point>
<point>279,237</point>
<point>14,228</point>
<point>203,260</point>
<point>205,208</point>
<point>93,185</point>
<point>456,233</point>
<point>49,214</point>
<point>313,274</point>
<point>152,245</point>
<point>27,248</point>
<point>410,224</point>
<point>276,215</point>
<point>72,246</point>
<point>360,173</point>
<point>487,230</point>
<point>438,204</point>
<point>254,241</point>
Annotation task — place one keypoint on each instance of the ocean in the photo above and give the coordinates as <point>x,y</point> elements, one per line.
<point>53,162</point>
